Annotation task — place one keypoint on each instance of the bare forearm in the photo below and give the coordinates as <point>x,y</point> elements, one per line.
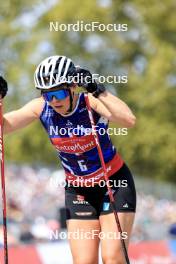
<point>120,112</point>
<point>11,123</point>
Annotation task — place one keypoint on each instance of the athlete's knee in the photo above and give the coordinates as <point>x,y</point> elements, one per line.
<point>113,258</point>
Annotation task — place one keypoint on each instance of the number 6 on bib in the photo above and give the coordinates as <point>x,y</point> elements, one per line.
<point>82,166</point>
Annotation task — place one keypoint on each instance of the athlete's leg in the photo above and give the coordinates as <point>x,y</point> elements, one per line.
<point>112,252</point>
<point>84,248</point>
<point>125,203</point>
<point>82,212</point>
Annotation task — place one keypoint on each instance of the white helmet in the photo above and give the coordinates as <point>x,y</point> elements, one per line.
<point>53,71</point>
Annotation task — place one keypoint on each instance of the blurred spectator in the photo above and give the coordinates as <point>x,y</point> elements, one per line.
<point>26,235</point>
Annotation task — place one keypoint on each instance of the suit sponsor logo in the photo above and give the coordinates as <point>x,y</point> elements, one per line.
<point>82,109</point>
<point>83,213</point>
<point>106,206</point>
<point>69,123</point>
<point>80,200</point>
<point>74,144</point>
<point>125,205</point>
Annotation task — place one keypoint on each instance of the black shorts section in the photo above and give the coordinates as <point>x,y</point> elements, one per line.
<point>91,202</point>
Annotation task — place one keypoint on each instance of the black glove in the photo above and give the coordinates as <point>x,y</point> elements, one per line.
<point>85,80</point>
<point>3,87</point>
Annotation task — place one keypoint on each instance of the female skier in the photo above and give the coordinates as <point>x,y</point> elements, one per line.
<point>62,112</point>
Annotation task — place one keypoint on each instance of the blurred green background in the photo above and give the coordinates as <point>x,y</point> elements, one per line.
<point>146,53</point>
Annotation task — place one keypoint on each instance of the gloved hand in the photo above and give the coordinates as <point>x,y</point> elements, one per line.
<point>85,80</point>
<point>3,87</point>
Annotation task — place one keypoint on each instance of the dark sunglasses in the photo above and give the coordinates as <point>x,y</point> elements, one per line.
<point>58,94</point>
